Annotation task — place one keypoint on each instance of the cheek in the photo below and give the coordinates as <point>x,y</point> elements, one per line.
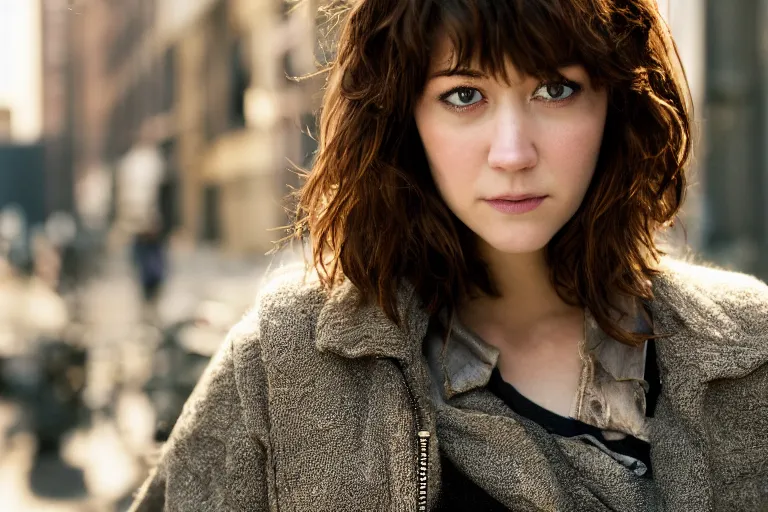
<point>574,150</point>
<point>455,158</point>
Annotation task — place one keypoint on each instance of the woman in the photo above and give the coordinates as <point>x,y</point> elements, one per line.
<point>488,323</point>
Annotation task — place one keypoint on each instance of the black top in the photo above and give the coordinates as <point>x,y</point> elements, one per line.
<point>461,493</point>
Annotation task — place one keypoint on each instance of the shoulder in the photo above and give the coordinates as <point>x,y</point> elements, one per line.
<point>287,305</point>
<point>707,296</point>
<point>292,288</point>
<point>685,280</point>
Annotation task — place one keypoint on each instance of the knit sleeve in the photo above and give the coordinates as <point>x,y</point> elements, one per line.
<point>217,457</point>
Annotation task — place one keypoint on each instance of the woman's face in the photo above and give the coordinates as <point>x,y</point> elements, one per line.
<point>513,162</point>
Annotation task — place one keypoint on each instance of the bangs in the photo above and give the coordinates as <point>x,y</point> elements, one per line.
<point>537,36</point>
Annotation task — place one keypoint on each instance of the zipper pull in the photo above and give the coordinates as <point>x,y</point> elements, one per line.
<point>423,470</point>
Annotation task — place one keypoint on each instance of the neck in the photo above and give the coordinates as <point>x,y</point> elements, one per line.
<point>527,296</point>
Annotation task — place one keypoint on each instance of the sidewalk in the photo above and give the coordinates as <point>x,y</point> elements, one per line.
<point>203,274</point>
<point>97,468</point>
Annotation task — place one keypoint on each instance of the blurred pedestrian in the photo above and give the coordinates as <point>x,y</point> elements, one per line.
<point>142,212</point>
<point>150,259</point>
<point>488,322</point>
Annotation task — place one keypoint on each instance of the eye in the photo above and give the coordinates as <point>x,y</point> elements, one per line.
<point>556,91</point>
<point>462,97</point>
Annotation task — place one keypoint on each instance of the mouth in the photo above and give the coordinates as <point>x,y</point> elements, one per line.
<point>519,197</point>
<point>516,204</point>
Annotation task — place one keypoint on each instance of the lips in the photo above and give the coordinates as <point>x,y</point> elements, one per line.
<point>516,204</point>
<point>519,197</point>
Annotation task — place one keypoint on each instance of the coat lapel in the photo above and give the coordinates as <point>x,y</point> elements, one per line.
<point>353,329</point>
<point>720,332</point>
<point>717,332</point>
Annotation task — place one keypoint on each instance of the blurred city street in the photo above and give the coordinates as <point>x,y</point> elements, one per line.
<point>101,463</point>
<point>146,148</point>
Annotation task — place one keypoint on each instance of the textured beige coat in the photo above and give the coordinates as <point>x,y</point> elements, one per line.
<point>314,405</point>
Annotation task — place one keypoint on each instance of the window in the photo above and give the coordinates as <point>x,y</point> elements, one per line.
<point>240,78</point>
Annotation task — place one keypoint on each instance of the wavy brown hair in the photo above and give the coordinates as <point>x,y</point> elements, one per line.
<point>369,203</point>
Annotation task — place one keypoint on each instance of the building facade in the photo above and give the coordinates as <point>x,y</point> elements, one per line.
<point>208,79</point>
<point>241,117</point>
<point>58,68</point>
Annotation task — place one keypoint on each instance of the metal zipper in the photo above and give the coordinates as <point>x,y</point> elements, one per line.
<point>423,471</point>
<point>422,468</point>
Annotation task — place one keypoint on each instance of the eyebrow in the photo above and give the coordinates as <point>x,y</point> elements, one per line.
<point>466,72</point>
<point>473,73</point>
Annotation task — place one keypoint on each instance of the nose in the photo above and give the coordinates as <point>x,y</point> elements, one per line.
<point>512,145</point>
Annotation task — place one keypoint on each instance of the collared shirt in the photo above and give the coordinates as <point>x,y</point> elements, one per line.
<point>611,394</point>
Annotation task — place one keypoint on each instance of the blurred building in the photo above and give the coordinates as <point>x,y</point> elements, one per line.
<point>735,127</point>
<point>20,65</point>
<point>239,117</point>
<point>122,87</point>
<point>686,21</point>
<point>208,80</point>
<point>58,95</point>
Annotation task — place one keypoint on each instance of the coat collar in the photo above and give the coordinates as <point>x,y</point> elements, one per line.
<point>714,322</point>
<point>352,329</point>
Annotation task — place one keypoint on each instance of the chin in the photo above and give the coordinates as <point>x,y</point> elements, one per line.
<point>522,243</point>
